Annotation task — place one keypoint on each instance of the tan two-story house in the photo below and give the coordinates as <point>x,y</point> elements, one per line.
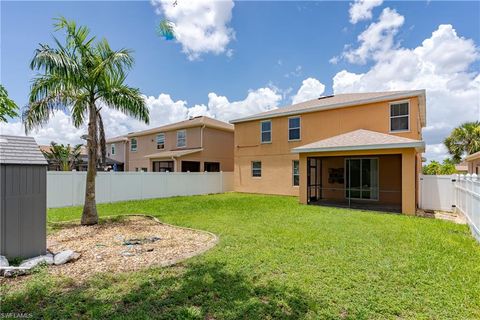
<point>358,150</point>
<point>195,145</point>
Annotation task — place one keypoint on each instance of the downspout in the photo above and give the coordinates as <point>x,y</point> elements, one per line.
<point>201,143</point>
<point>126,165</point>
<point>201,136</point>
<point>174,164</point>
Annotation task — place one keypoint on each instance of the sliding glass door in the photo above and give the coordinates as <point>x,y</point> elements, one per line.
<point>361,178</point>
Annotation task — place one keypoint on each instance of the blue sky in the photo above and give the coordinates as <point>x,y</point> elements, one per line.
<point>271,48</point>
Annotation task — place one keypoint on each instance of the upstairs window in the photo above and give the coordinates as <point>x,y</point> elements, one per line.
<point>181,138</point>
<point>161,141</point>
<point>133,145</point>
<point>266,131</point>
<point>399,116</point>
<point>294,128</point>
<point>112,149</point>
<point>256,168</point>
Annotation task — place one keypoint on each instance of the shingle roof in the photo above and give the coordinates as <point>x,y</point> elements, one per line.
<point>339,101</point>
<point>360,140</point>
<point>20,150</point>
<point>117,139</point>
<point>473,156</point>
<point>194,122</point>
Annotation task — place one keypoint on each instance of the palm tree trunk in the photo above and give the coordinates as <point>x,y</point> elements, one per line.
<point>89,215</point>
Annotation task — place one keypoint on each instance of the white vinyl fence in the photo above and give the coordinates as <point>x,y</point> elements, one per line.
<point>437,192</point>
<point>68,188</point>
<point>453,192</point>
<point>467,194</point>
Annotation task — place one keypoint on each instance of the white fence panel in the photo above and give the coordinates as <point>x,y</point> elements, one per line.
<point>437,192</point>
<point>68,188</point>
<point>468,201</point>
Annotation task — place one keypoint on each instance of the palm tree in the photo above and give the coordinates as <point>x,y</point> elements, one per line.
<point>81,77</point>
<point>63,156</point>
<point>8,108</point>
<point>464,140</point>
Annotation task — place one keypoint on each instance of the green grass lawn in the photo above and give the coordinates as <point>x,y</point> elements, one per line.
<point>277,259</point>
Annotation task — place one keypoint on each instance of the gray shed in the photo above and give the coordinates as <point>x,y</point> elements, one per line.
<point>23,200</point>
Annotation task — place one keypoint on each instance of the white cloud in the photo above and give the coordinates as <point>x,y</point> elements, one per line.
<point>311,88</point>
<point>441,65</point>
<point>377,39</point>
<point>201,26</point>
<point>259,100</point>
<point>362,9</point>
<point>58,129</point>
<point>163,110</point>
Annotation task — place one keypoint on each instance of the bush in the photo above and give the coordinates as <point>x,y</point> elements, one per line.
<point>437,168</point>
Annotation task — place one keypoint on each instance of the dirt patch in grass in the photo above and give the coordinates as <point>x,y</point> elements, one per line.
<point>125,244</point>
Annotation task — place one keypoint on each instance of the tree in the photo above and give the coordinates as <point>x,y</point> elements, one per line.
<point>8,108</point>
<point>437,168</point>
<point>464,140</point>
<point>82,76</point>
<point>63,156</point>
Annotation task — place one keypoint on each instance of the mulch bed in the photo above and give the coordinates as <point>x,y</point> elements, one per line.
<point>128,243</point>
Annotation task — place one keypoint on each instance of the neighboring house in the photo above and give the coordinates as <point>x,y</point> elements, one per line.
<point>462,167</point>
<point>83,161</point>
<point>358,150</point>
<point>117,150</point>
<point>473,162</point>
<point>195,145</point>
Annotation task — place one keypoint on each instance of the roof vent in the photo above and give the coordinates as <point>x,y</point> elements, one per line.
<point>324,97</point>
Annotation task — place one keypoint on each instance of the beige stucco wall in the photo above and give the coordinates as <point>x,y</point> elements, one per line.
<point>120,152</point>
<point>474,166</point>
<point>277,158</point>
<point>217,147</point>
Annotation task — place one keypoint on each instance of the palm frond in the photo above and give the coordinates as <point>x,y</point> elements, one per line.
<point>111,61</point>
<point>127,100</point>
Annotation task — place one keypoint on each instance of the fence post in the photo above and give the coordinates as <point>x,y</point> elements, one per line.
<point>110,178</point>
<point>74,187</point>
<point>222,189</point>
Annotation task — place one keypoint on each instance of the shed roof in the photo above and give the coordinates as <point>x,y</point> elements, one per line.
<point>20,150</point>
<point>341,100</point>
<point>360,140</point>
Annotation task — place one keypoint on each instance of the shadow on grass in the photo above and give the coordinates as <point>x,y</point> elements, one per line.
<point>199,291</point>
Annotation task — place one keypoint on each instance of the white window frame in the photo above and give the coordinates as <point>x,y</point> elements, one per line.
<point>299,128</point>
<point>185,138</point>
<point>131,145</point>
<point>261,131</point>
<point>158,135</point>
<point>390,116</point>
<point>112,149</point>
<point>345,177</point>
<point>293,173</point>
<point>256,177</point>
